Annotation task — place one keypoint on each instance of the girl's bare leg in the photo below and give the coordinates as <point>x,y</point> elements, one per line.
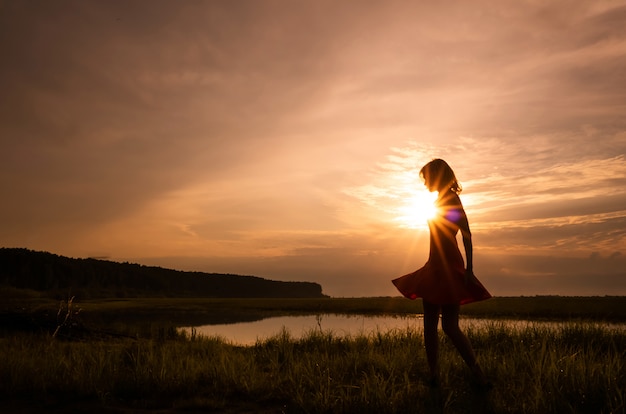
<point>431,340</point>
<point>450,325</point>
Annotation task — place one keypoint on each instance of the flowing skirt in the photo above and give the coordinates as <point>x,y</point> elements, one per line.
<point>441,285</point>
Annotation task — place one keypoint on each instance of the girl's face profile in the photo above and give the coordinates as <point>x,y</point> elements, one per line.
<point>427,182</point>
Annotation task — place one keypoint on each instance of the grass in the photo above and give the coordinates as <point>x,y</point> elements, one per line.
<point>537,307</point>
<point>198,311</point>
<point>131,358</point>
<point>575,368</point>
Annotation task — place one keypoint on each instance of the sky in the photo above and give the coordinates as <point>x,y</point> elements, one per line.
<point>283,138</point>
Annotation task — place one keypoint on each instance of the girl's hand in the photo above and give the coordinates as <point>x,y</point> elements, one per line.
<point>469,277</point>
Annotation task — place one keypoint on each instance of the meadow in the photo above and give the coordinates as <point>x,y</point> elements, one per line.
<point>126,356</point>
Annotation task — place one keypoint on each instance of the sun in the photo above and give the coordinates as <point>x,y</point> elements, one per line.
<point>415,212</point>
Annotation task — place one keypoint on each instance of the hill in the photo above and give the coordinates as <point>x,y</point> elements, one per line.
<point>91,278</point>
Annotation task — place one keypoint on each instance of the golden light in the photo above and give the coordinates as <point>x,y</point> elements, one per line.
<point>417,210</point>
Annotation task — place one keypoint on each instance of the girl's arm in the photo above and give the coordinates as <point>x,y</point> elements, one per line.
<point>457,215</point>
<point>467,242</point>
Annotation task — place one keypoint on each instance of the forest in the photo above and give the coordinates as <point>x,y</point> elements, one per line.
<point>61,277</point>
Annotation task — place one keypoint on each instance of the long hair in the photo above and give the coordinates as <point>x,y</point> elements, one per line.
<point>438,174</point>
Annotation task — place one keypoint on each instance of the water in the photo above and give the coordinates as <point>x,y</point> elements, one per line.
<point>248,333</point>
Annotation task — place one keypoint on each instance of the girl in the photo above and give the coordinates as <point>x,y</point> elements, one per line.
<point>444,283</point>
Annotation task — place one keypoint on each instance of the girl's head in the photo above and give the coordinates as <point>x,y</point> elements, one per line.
<point>438,176</point>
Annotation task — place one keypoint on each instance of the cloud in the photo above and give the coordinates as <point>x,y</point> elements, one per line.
<point>294,132</point>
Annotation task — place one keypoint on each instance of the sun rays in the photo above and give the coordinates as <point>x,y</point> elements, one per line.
<point>416,210</point>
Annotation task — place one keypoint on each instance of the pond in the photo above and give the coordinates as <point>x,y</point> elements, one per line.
<point>248,333</point>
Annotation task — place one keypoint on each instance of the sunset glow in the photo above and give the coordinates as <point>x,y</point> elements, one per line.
<point>418,210</point>
<point>284,140</point>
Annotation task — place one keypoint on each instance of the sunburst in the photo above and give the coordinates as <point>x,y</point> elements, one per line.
<point>417,210</point>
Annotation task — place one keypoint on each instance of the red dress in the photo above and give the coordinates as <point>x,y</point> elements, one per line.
<point>441,280</point>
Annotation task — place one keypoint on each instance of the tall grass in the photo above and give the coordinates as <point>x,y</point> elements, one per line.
<point>568,369</point>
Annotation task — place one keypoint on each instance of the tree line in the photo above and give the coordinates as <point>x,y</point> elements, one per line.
<point>92,278</point>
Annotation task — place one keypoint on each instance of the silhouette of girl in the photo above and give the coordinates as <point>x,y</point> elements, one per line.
<point>444,283</point>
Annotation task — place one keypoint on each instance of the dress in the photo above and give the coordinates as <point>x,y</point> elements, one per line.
<point>441,280</point>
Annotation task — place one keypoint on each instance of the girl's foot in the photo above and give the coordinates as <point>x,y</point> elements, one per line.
<point>482,384</point>
<point>434,382</point>
<point>482,387</point>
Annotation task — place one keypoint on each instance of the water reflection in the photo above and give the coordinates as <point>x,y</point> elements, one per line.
<point>248,333</point>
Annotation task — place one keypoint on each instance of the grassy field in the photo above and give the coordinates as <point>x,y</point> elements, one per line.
<point>578,367</point>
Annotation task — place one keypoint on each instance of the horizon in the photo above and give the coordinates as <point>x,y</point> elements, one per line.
<point>285,141</point>
<point>287,281</point>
